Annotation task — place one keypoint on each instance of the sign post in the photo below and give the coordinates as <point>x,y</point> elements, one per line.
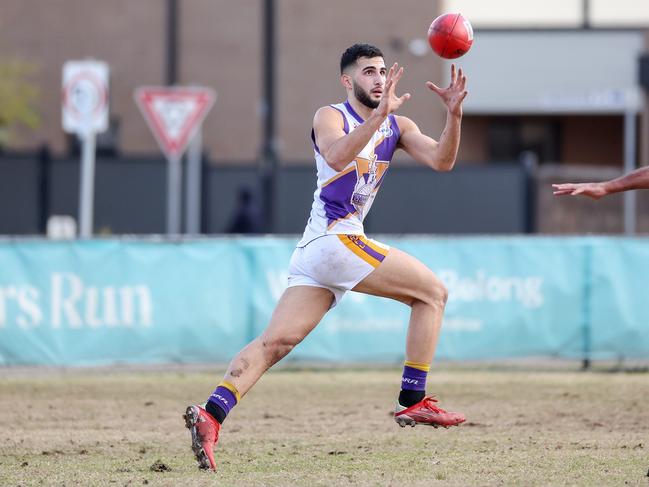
<point>174,115</point>
<point>193,185</point>
<point>85,113</point>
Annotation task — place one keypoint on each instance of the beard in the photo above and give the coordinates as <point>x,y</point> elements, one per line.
<point>364,97</point>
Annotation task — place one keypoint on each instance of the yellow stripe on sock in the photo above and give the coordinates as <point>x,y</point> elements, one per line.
<point>231,388</point>
<point>417,365</point>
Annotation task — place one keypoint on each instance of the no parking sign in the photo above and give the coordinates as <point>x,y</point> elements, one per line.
<point>85,112</point>
<point>85,96</point>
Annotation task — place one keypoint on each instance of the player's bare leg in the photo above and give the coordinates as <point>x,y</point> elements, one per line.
<point>404,278</point>
<point>298,311</point>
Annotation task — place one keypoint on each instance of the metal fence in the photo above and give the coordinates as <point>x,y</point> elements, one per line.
<point>130,197</point>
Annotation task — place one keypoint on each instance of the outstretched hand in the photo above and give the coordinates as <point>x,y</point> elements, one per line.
<point>592,190</point>
<point>390,102</point>
<point>454,95</point>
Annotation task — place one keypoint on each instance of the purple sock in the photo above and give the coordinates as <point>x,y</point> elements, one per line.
<point>224,399</point>
<point>413,379</point>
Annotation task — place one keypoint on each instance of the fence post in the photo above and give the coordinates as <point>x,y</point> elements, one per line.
<point>530,162</point>
<point>586,308</point>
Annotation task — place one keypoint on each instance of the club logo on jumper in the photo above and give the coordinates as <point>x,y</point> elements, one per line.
<point>368,175</point>
<point>385,130</point>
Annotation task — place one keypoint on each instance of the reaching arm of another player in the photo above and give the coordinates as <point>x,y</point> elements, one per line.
<point>438,155</point>
<point>338,148</point>
<point>638,179</point>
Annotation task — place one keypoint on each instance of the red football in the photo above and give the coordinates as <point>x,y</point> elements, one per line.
<point>450,35</point>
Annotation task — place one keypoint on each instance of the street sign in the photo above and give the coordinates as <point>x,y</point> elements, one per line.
<point>85,96</point>
<point>174,114</point>
<point>85,113</point>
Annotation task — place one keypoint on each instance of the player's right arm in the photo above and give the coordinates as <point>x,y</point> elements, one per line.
<point>338,148</point>
<point>638,179</point>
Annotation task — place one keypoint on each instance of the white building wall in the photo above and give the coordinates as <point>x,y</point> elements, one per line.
<point>550,13</point>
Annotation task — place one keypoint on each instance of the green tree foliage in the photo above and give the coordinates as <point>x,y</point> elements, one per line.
<point>18,98</point>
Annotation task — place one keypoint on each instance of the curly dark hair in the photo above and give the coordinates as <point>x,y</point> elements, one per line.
<point>351,54</point>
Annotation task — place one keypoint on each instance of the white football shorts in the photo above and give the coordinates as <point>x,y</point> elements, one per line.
<point>336,262</point>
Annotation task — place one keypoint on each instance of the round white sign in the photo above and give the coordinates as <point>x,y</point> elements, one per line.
<point>85,96</point>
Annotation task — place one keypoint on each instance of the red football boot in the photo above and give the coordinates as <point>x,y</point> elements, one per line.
<point>426,412</point>
<point>205,434</point>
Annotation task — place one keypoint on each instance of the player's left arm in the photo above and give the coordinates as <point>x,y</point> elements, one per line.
<point>439,155</point>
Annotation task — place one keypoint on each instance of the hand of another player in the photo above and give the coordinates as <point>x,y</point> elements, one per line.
<point>454,95</point>
<point>592,190</point>
<point>390,102</point>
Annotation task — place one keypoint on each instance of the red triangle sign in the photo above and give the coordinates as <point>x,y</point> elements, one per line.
<point>174,113</point>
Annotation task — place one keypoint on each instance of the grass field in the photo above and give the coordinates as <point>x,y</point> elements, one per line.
<point>325,428</point>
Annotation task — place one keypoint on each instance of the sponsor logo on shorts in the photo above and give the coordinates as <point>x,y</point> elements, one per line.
<point>357,240</point>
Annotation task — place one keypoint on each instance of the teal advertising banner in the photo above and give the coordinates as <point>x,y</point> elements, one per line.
<point>618,305</point>
<point>103,302</point>
<point>147,301</point>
